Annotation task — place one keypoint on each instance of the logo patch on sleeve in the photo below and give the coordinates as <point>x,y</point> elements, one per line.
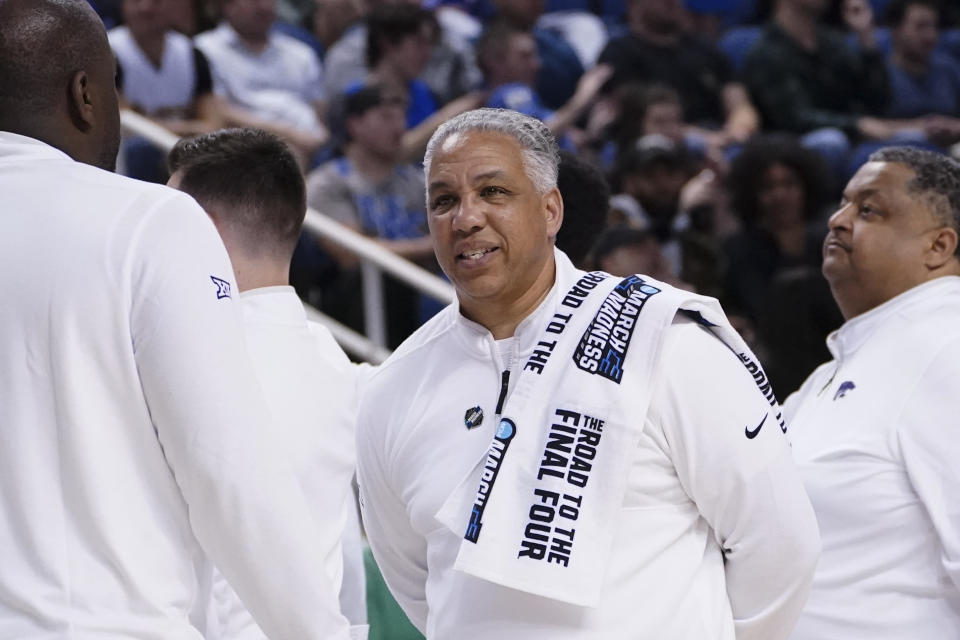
<point>845,386</point>
<point>604,344</point>
<point>223,287</point>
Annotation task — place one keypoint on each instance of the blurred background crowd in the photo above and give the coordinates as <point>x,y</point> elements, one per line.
<point>705,141</point>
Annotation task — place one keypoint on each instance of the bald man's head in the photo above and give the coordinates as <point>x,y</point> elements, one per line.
<point>57,78</point>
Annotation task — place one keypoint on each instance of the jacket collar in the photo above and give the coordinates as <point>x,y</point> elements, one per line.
<point>478,340</point>
<point>14,145</point>
<point>855,332</point>
<point>276,305</point>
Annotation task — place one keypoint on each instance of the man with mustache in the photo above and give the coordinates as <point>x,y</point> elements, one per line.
<point>874,431</point>
<point>568,455</point>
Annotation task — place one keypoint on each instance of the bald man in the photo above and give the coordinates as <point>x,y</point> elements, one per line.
<point>134,441</point>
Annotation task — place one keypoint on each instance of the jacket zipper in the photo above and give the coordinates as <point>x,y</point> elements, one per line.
<point>504,384</point>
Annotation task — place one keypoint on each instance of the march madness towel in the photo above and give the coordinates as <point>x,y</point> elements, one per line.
<point>542,506</point>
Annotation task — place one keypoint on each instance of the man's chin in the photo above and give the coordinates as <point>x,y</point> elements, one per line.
<point>833,268</point>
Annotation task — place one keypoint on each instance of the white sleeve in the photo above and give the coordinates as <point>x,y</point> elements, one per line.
<point>245,508</point>
<point>747,489</point>
<point>929,436</point>
<point>400,552</point>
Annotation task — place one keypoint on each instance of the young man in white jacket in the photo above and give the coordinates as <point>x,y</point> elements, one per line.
<point>134,438</point>
<point>250,185</point>
<point>526,473</point>
<point>875,431</point>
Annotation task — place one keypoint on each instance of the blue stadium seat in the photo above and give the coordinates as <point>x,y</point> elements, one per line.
<point>736,43</point>
<point>884,41</point>
<point>301,34</point>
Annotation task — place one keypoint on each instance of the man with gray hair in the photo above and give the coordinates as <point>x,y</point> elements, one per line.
<point>562,454</point>
<point>874,431</point>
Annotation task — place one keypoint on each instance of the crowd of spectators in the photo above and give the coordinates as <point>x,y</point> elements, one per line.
<point>710,138</point>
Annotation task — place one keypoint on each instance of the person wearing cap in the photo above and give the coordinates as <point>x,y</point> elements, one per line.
<point>369,189</point>
<point>874,431</point>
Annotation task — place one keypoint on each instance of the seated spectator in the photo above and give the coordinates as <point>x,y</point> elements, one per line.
<point>622,251</point>
<point>647,110</point>
<point>661,113</point>
<point>400,39</point>
<point>450,72</point>
<point>923,81</point>
<point>807,81</point>
<point>332,19</point>
<point>370,190</point>
<point>658,50</point>
<point>508,57</point>
<point>160,74</point>
<point>778,188</point>
<point>560,67</point>
<point>648,180</point>
<point>271,81</point>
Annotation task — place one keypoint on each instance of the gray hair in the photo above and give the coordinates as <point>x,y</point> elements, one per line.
<point>936,180</point>
<point>541,155</point>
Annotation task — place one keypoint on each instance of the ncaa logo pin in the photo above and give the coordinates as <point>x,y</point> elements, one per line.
<point>473,417</point>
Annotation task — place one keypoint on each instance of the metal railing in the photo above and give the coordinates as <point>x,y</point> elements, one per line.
<point>374,261</point>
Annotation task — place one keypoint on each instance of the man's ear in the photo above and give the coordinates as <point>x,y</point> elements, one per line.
<point>942,248</point>
<point>80,99</point>
<point>553,211</point>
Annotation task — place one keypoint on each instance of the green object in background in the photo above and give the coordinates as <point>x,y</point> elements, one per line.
<point>386,618</point>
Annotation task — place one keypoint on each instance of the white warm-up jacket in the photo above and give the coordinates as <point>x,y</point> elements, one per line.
<point>134,441</point>
<point>715,539</point>
<point>876,437</point>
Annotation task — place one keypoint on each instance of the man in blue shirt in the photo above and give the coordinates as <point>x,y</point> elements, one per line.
<point>924,82</point>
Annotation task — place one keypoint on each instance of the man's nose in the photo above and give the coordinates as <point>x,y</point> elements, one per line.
<point>469,216</point>
<point>840,219</point>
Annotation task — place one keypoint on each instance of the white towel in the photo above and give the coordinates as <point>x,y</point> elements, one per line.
<point>539,512</point>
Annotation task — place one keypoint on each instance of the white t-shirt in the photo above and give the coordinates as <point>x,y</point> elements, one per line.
<point>134,437</point>
<point>169,89</point>
<point>310,388</point>
<point>715,540</point>
<point>876,437</point>
<point>282,82</point>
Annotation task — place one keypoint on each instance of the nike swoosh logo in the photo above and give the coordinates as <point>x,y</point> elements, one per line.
<point>753,434</point>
